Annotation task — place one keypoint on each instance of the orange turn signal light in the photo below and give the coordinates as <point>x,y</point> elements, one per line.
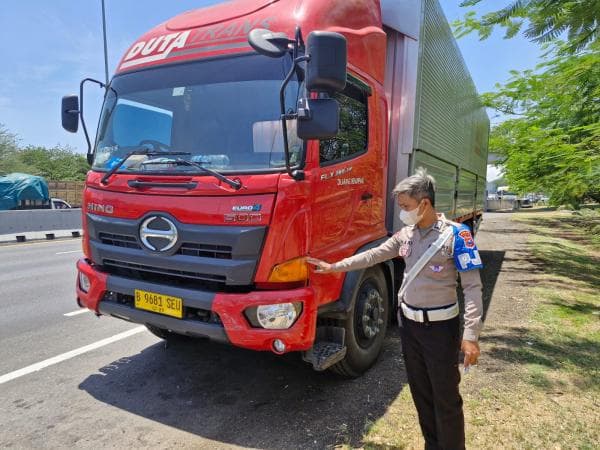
<point>292,270</point>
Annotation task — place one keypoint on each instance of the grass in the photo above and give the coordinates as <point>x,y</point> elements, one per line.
<point>583,223</point>
<point>568,246</point>
<point>539,382</point>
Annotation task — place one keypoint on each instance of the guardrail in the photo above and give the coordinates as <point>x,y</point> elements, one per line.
<point>39,224</point>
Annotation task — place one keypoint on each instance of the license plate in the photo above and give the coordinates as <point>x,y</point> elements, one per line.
<point>159,303</point>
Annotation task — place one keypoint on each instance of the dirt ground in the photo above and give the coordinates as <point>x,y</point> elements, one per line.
<point>520,395</point>
<point>508,275</point>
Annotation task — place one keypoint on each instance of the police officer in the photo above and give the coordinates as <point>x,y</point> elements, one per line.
<point>428,311</point>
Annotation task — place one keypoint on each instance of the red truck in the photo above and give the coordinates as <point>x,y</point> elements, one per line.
<point>238,139</point>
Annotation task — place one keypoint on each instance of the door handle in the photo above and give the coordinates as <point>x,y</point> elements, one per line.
<point>366,196</point>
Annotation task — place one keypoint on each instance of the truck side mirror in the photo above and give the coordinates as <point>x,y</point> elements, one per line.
<point>265,42</point>
<point>318,118</point>
<point>326,68</point>
<point>70,113</point>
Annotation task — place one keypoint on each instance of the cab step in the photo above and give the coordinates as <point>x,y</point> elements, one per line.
<point>328,348</point>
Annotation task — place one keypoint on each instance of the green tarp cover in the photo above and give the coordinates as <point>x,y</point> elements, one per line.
<point>15,187</point>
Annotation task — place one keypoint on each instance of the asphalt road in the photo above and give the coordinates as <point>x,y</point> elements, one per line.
<point>136,392</point>
<point>37,287</point>
<point>129,390</point>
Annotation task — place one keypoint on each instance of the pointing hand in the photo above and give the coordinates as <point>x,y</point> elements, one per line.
<point>321,266</point>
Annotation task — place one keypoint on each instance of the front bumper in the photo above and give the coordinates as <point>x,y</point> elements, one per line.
<point>233,326</point>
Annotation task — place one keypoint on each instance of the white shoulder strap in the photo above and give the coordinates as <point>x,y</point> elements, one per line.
<point>424,259</point>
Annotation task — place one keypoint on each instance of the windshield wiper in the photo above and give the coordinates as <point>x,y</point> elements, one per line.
<point>235,184</point>
<point>146,152</point>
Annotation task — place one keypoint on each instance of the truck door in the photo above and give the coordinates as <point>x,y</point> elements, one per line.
<point>343,189</point>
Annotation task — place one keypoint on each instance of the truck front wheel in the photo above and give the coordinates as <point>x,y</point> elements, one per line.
<point>366,325</point>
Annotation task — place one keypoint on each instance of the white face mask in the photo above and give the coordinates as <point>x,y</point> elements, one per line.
<point>411,217</point>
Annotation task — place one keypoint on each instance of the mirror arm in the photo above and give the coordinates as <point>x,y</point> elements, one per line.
<point>85,131</point>
<point>300,59</point>
<point>284,119</point>
<point>298,38</point>
<point>295,174</point>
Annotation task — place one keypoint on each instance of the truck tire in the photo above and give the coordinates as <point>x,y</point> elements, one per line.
<point>366,325</point>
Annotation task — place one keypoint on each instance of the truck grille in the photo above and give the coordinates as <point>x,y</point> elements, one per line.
<point>205,250</point>
<point>159,275</point>
<point>206,257</point>
<point>187,248</point>
<point>118,240</point>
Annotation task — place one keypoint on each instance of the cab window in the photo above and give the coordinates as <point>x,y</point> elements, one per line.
<point>352,139</point>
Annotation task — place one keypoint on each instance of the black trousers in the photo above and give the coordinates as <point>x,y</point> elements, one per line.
<point>431,357</point>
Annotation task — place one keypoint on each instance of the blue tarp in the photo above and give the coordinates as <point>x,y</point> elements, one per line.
<point>15,187</point>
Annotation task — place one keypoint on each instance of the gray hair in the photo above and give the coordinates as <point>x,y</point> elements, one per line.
<point>417,186</point>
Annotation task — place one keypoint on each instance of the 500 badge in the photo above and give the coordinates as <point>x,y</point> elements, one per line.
<point>243,218</point>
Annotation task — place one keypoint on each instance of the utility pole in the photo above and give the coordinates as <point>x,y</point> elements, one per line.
<point>105,47</point>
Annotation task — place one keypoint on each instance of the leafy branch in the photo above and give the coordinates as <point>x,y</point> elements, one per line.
<point>545,21</point>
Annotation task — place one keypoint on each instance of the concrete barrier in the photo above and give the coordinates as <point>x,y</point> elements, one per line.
<point>39,224</point>
<point>500,204</point>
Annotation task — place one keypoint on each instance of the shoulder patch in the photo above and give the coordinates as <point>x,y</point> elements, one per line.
<point>467,238</point>
<point>466,255</point>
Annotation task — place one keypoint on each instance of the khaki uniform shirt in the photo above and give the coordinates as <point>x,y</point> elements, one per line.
<point>435,285</point>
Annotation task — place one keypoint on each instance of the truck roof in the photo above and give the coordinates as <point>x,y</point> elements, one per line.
<point>223,29</point>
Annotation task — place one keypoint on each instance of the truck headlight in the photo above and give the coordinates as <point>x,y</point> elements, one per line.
<point>84,282</point>
<point>276,317</point>
<point>279,316</point>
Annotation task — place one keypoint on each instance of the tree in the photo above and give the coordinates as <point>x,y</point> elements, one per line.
<point>9,161</point>
<point>545,20</point>
<point>57,163</point>
<point>552,141</point>
<point>8,141</point>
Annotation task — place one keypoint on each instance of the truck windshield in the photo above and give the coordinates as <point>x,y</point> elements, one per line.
<point>223,112</point>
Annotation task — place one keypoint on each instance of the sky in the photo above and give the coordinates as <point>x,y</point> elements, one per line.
<point>48,47</point>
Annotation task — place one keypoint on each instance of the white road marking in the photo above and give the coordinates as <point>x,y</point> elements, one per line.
<point>76,313</point>
<point>68,355</point>
<point>41,243</point>
<point>70,251</point>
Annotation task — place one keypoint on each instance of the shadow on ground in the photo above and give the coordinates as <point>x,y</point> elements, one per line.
<point>563,260</point>
<point>492,264</point>
<point>555,227</point>
<point>570,352</point>
<point>249,398</point>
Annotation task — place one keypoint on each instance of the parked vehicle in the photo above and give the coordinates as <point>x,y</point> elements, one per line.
<point>59,203</point>
<point>504,193</point>
<point>24,191</point>
<point>520,201</point>
<point>525,202</point>
<point>237,139</point>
